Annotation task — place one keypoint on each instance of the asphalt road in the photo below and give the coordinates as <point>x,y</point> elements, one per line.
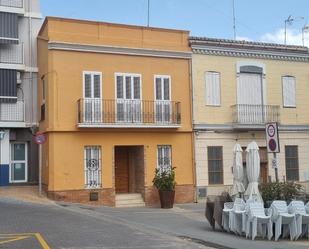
<point>31,226</point>
<point>64,226</point>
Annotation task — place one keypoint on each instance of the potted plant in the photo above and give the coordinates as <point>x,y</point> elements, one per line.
<point>164,181</point>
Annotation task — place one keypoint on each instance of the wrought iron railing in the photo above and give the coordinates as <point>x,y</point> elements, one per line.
<point>128,112</point>
<point>12,54</point>
<point>12,3</point>
<point>12,112</point>
<point>255,114</point>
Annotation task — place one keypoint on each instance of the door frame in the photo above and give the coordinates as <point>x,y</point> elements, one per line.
<point>25,161</point>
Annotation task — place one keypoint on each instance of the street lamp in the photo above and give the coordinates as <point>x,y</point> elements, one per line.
<point>304,29</point>
<point>289,21</point>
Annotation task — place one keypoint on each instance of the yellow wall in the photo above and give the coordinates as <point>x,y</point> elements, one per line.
<point>67,158</point>
<point>227,66</point>
<point>63,162</point>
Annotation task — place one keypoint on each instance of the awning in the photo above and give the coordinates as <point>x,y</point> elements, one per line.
<point>8,28</point>
<point>8,86</point>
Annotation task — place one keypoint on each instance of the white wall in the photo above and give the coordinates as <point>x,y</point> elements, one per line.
<point>5,148</point>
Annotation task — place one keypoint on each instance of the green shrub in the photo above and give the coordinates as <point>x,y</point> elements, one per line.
<point>165,180</point>
<point>280,191</point>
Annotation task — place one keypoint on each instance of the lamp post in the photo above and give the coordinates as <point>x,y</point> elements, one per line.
<point>289,21</point>
<point>304,29</point>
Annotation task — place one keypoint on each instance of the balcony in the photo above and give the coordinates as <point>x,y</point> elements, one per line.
<point>12,54</point>
<point>12,3</point>
<point>246,116</point>
<point>12,113</point>
<point>99,113</point>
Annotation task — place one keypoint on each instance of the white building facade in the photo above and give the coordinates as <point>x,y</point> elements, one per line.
<point>20,21</point>
<point>238,87</point>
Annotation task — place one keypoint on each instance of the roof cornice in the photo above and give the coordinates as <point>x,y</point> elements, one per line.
<point>232,48</point>
<point>258,54</point>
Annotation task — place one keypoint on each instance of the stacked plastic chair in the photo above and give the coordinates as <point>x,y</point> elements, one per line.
<point>298,208</point>
<point>281,216</point>
<point>228,207</point>
<point>257,216</point>
<point>236,216</point>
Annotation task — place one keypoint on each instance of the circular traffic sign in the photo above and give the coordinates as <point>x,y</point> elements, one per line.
<point>271,131</point>
<point>272,144</point>
<point>40,138</point>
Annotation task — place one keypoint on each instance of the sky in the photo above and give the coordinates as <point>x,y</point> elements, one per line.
<point>256,20</point>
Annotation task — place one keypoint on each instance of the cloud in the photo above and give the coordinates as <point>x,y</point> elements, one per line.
<point>243,38</point>
<point>293,37</point>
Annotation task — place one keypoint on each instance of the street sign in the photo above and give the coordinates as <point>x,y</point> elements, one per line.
<point>272,138</point>
<point>40,138</point>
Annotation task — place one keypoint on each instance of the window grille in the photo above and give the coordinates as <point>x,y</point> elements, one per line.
<point>164,158</point>
<point>92,167</point>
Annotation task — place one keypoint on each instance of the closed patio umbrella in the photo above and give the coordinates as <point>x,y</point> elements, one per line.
<point>253,171</point>
<point>238,172</point>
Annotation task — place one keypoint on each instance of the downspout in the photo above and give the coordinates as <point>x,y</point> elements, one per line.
<point>192,133</point>
<point>30,59</point>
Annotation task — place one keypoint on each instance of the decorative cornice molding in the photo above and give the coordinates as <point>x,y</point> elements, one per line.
<point>242,127</point>
<point>248,53</point>
<point>54,45</point>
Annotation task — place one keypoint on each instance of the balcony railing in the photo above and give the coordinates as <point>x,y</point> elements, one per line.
<point>12,3</point>
<point>128,113</point>
<point>255,114</point>
<point>12,112</point>
<point>12,54</point>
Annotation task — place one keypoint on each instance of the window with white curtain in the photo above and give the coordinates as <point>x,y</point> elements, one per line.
<point>213,88</point>
<point>289,91</point>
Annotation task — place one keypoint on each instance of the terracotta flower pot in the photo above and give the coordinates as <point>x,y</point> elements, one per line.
<point>167,198</point>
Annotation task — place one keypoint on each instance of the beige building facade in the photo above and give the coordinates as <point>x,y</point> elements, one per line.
<point>238,87</point>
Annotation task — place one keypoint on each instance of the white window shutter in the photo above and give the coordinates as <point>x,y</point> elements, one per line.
<point>213,91</point>
<point>289,91</point>
<point>97,86</point>
<point>87,86</point>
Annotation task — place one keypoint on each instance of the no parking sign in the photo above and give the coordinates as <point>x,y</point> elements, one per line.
<point>272,138</point>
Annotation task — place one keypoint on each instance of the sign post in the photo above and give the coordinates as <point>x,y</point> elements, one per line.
<point>40,139</point>
<point>273,146</point>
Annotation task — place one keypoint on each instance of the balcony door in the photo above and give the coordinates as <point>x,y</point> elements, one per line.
<point>18,163</point>
<point>128,103</point>
<point>92,97</point>
<point>163,105</point>
<point>250,98</point>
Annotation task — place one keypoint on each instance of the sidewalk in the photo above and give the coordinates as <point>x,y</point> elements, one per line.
<point>24,193</point>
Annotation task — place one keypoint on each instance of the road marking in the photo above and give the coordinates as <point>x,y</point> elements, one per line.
<point>10,238</point>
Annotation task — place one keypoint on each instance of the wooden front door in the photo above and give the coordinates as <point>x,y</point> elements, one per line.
<point>122,170</point>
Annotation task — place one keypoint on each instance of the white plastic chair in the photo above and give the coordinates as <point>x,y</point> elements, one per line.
<point>246,214</point>
<point>236,215</point>
<point>302,218</point>
<point>280,216</point>
<point>256,216</point>
<point>227,208</point>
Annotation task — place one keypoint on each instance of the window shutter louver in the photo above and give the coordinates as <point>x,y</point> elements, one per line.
<point>213,89</point>
<point>96,86</point>
<point>158,89</point>
<point>87,85</point>
<point>289,91</point>
<point>128,87</point>
<point>119,87</point>
<point>166,89</point>
<point>137,88</point>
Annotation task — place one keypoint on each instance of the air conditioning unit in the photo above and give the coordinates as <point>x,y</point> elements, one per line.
<point>18,78</point>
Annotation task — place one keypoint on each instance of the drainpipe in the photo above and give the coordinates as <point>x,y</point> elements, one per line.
<point>30,58</point>
<point>192,133</point>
